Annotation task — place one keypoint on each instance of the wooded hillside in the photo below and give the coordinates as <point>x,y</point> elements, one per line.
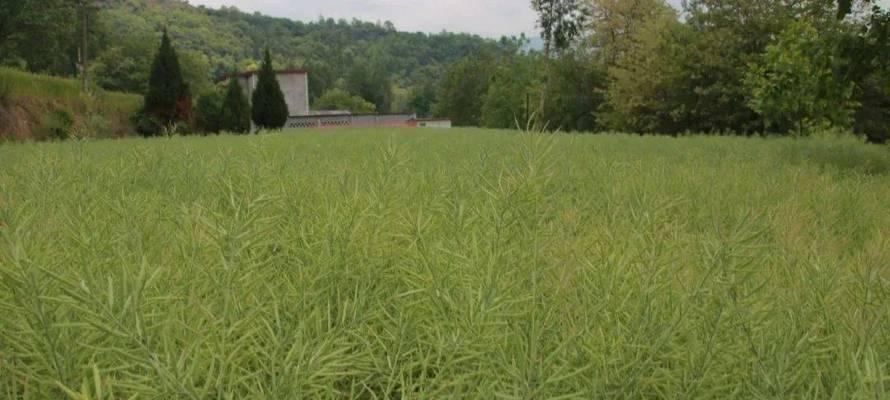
<point>361,57</point>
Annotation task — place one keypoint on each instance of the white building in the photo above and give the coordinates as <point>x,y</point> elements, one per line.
<point>294,84</point>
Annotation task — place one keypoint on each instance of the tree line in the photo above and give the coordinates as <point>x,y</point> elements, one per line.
<point>741,67</point>
<point>168,101</point>
<point>348,60</point>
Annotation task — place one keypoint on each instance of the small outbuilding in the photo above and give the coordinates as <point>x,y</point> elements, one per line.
<point>294,84</point>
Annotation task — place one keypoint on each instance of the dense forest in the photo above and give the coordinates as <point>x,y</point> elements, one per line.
<point>728,67</point>
<point>740,67</point>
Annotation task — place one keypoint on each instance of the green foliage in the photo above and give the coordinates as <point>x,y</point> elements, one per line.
<point>195,68</point>
<point>463,89</point>
<point>65,91</point>
<point>574,93</point>
<point>463,264</point>
<point>795,85</point>
<point>506,102</point>
<point>631,74</point>
<point>37,97</point>
<point>654,104</point>
<point>39,33</point>
<point>115,71</point>
<point>97,126</point>
<point>125,64</point>
<point>5,90</point>
<point>167,100</point>
<point>268,108</point>
<point>55,125</point>
<point>339,99</point>
<point>690,78</point>
<point>146,124</point>
<point>867,52</point>
<point>235,111</point>
<point>370,82</point>
<point>210,41</point>
<point>845,7</point>
<point>613,25</point>
<point>422,99</point>
<point>722,46</point>
<point>560,22</point>
<point>208,109</point>
<point>511,91</point>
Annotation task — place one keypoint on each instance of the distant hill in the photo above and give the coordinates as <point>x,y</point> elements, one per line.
<point>214,41</point>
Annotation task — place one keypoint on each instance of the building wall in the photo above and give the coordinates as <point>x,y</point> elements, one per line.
<point>296,92</point>
<point>437,123</point>
<point>348,120</point>
<point>295,87</point>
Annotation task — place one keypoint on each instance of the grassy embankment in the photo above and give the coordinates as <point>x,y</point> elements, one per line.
<point>44,107</point>
<point>424,264</point>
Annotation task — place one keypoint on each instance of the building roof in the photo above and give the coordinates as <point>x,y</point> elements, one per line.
<point>251,73</point>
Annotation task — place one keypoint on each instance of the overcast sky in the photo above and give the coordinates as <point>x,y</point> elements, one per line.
<point>491,18</point>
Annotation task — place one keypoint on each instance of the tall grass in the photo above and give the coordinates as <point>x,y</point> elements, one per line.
<point>65,91</point>
<point>470,264</point>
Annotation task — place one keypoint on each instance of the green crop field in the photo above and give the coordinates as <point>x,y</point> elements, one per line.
<point>445,264</point>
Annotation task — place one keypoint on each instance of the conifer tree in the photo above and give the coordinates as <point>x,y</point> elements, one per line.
<point>235,112</point>
<point>168,97</point>
<point>269,110</point>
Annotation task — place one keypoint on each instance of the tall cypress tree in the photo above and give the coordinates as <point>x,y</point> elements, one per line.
<point>235,112</point>
<point>168,97</point>
<point>269,108</point>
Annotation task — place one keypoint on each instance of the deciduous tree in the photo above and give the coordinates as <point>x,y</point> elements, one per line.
<point>795,86</point>
<point>613,23</point>
<point>867,54</point>
<point>560,22</point>
<point>648,92</point>
<point>368,79</point>
<point>463,89</point>
<point>39,35</point>
<point>513,80</point>
<point>339,99</point>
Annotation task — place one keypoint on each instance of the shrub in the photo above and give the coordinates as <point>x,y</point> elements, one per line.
<point>175,129</point>
<point>207,112</point>
<point>92,126</point>
<point>55,125</point>
<point>235,111</point>
<point>5,92</point>
<point>339,99</point>
<point>6,119</point>
<point>146,125</point>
